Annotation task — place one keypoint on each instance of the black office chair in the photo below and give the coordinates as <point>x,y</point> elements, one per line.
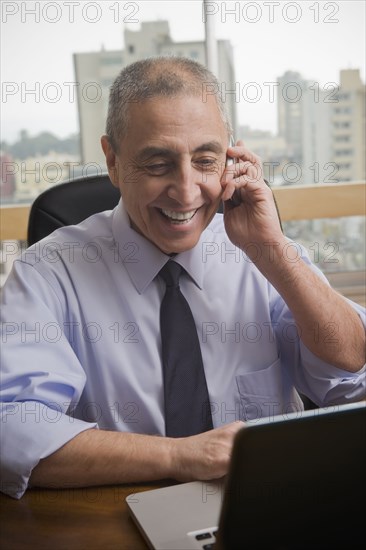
<point>69,203</point>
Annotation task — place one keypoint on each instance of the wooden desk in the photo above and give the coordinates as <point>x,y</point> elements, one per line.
<point>71,519</point>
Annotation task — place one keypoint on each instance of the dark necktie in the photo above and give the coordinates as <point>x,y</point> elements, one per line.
<point>187,407</point>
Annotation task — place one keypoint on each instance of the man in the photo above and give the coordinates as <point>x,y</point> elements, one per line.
<point>83,343</point>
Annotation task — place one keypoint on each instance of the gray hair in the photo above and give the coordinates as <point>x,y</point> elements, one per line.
<point>165,76</point>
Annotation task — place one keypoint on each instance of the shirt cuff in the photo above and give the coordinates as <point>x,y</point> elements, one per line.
<point>31,431</point>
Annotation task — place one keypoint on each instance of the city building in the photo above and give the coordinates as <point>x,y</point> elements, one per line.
<point>317,164</point>
<point>95,72</point>
<point>272,149</point>
<point>324,128</point>
<point>348,132</point>
<point>290,91</point>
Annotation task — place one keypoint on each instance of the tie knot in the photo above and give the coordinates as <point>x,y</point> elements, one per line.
<point>171,273</point>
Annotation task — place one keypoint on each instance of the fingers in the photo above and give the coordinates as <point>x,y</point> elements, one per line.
<point>240,151</point>
<point>244,162</point>
<point>239,175</point>
<point>233,427</point>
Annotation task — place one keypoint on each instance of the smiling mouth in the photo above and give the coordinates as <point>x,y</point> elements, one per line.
<point>178,217</point>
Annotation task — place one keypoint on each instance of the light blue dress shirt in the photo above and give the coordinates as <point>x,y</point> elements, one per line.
<point>81,345</point>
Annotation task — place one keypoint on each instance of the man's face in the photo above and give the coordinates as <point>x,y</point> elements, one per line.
<point>168,169</point>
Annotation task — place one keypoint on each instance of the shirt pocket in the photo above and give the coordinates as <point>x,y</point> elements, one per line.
<point>260,392</point>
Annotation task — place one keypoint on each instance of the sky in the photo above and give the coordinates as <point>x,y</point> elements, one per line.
<point>315,38</point>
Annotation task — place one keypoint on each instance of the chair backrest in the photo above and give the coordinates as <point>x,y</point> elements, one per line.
<point>69,203</point>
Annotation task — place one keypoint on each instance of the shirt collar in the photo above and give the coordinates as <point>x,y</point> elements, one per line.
<point>143,260</point>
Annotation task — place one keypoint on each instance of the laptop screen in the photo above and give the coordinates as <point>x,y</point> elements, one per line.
<point>297,484</point>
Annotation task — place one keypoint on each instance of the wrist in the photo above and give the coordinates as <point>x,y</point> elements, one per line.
<point>278,260</point>
<point>179,469</point>
<point>266,251</point>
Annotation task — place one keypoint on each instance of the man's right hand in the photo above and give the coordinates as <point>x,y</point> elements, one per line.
<point>204,456</point>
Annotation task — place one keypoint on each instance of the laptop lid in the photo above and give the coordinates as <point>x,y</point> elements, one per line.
<point>293,482</point>
<point>299,483</point>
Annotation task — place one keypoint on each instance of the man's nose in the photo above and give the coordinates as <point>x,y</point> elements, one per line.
<point>186,187</point>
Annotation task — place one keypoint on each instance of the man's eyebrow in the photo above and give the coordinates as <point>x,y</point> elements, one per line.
<point>213,146</point>
<point>153,151</point>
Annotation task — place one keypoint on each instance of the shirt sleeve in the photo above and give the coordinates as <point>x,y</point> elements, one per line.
<point>323,383</point>
<point>41,377</point>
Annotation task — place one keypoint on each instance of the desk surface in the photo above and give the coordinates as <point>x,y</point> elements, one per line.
<point>71,519</point>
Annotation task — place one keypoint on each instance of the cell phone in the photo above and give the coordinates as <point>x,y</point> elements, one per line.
<point>230,160</point>
<point>236,197</point>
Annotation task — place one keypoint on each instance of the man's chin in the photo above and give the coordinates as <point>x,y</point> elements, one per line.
<point>176,246</point>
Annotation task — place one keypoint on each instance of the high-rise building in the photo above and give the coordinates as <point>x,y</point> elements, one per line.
<point>348,127</point>
<point>317,164</point>
<point>324,128</point>
<point>290,91</point>
<point>95,72</point>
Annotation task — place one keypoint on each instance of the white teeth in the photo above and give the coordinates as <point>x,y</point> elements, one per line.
<point>179,216</point>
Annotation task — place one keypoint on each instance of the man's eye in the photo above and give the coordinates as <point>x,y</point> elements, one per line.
<point>207,163</point>
<point>158,167</point>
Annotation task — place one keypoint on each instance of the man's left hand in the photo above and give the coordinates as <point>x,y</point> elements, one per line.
<point>250,219</point>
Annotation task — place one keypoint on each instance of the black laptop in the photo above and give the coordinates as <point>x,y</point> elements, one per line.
<point>295,482</point>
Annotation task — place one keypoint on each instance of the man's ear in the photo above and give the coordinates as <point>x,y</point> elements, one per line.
<point>111,160</point>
